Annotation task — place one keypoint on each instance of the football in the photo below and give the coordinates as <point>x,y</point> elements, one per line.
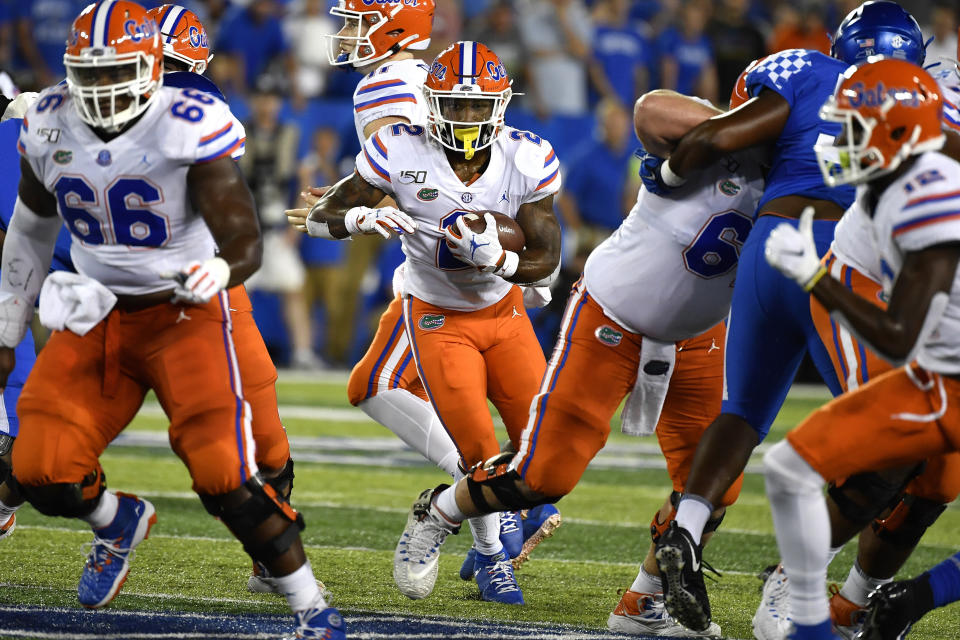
<point>510,233</point>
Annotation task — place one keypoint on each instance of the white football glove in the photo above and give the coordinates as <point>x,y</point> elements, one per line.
<point>19,105</point>
<point>791,251</point>
<point>198,282</point>
<point>383,221</point>
<point>482,250</point>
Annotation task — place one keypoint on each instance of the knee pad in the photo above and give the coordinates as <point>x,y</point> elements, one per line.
<point>862,497</point>
<point>6,471</point>
<point>504,484</point>
<point>658,528</point>
<point>66,499</point>
<point>282,483</point>
<point>243,510</point>
<point>908,521</point>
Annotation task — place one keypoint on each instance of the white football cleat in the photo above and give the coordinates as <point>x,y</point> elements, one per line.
<point>418,550</point>
<point>643,614</point>
<point>260,581</point>
<point>772,620</point>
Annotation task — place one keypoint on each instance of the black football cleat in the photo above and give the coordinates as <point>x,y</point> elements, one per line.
<point>891,610</point>
<point>684,594</point>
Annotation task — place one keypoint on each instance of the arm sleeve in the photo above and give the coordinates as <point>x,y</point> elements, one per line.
<point>373,163</point>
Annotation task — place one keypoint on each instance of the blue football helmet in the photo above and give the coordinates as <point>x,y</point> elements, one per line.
<point>878,28</point>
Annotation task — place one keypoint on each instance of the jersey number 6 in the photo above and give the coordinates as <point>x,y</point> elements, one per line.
<point>716,249</point>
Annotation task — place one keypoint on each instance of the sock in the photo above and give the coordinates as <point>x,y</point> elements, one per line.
<point>416,423</point>
<point>944,580</point>
<point>7,512</point>
<point>692,514</point>
<point>802,525</point>
<point>646,583</point>
<point>300,589</point>
<point>446,505</point>
<point>859,585</point>
<point>486,533</point>
<point>105,511</point>
<point>819,631</point>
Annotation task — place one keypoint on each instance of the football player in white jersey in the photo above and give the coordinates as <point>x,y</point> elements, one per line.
<point>891,112</point>
<point>163,231</point>
<point>611,346</point>
<point>377,39</point>
<point>462,314</point>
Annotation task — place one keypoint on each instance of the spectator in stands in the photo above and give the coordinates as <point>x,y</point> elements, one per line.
<point>41,28</point>
<point>943,28</point>
<point>270,166</point>
<point>6,36</point>
<point>250,40</point>
<point>307,28</point>
<point>591,204</point>
<point>686,55</point>
<point>323,258</point>
<point>736,42</point>
<point>557,35</point>
<point>621,53</point>
<point>800,27</point>
<point>497,28</point>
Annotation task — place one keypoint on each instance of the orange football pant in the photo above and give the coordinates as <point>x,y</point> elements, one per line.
<point>585,382</point>
<point>388,362</point>
<point>465,357</point>
<point>259,377</point>
<point>906,415</point>
<point>84,390</point>
<point>855,364</point>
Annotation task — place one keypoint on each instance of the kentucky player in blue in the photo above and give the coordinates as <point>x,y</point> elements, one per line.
<point>769,328</point>
<point>25,353</point>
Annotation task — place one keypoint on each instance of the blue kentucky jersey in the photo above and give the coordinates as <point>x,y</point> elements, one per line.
<point>805,79</point>
<point>10,180</point>
<point>190,80</point>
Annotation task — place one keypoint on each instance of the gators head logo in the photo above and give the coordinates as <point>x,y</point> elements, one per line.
<point>431,321</point>
<point>608,335</point>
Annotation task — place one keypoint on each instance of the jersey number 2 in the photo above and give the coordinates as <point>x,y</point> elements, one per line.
<point>132,222</point>
<point>716,249</point>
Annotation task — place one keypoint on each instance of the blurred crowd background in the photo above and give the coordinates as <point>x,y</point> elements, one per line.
<point>579,63</point>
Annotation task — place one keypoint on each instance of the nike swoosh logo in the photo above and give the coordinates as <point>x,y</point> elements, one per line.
<point>696,562</point>
<point>417,575</point>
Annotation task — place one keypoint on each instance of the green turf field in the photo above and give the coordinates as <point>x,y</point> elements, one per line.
<point>354,485</point>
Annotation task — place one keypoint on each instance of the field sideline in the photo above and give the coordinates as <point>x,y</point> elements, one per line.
<point>354,484</point>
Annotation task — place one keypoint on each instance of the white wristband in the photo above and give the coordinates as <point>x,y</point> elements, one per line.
<point>510,263</point>
<point>669,177</point>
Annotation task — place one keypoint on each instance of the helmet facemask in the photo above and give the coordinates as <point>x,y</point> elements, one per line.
<point>466,119</point>
<point>353,44</point>
<point>111,89</point>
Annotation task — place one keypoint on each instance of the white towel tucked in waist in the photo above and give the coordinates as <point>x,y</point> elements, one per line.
<point>75,302</point>
<point>642,409</point>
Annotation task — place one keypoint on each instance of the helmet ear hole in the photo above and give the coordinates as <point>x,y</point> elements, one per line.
<point>898,133</point>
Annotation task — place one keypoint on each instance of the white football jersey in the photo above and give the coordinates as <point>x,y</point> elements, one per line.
<point>667,272</point>
<point>853,242</point>
<point>393,89</point>
<point>125,201</point>
<point>405,162</point>
<point>920,210</point>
